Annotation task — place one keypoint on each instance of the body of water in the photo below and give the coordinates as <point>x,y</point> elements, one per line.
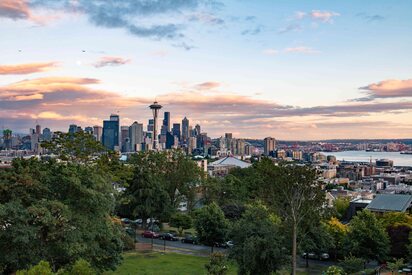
<point>398,159</point>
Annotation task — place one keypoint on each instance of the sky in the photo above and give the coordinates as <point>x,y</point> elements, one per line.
<point>293,70</point>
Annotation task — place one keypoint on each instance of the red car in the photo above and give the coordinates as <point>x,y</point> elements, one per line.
<point>150,234</point>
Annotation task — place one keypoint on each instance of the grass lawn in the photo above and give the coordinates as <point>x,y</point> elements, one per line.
<point>154,263</point>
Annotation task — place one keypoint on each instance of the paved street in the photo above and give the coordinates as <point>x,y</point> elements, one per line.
<point>179,247</point>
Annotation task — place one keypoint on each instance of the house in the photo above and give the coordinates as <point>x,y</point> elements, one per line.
<point>391,203</point>
<point>222,166</point>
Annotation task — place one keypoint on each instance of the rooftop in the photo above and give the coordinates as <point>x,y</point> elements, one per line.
<point>231,161</point>
<point>390,202</point>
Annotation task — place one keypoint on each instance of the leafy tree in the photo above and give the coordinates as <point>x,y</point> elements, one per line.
<point>341,206</point>
<point>352,264</point>
<point>398,225</point>
<point>338,232</point>
<point>42,268</point>
<point>233,211</point>
<point>395,265</point>
<point>58,212</point>
<point>217,264</point>
<point>82,267</point>
<point>335,270</point>
<point>181,222</point>
<point>367,238</point>
<point>211,225</point>
<point>258,245</point>
<point>78,147</point>
<point>317,239</point>
<point>296,195</point>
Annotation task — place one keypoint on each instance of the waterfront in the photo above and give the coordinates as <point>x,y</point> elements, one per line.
<point>398,159</point>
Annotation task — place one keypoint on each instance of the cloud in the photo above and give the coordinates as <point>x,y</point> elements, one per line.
<point>301,49</point>
<point>324,16</point>
<point>289,28</point>
<point>27,68</point>
<point>111,61</point>
<point>184,45</point>
<point>133,15</point>
<point>207,85</point>
<point>270,52</point>
<point>206,18</point>
<point>371,18</point>
<point>388,89</point>
<point>14,9</point>
<point>253,31</point>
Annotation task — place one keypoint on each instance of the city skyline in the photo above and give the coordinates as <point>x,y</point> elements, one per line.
<point>292,70</point>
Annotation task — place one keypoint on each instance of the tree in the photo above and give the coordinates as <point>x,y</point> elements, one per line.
<point>334,270</point>
<point>341,206</point>
<point>181,222</point>
<point>258,245</point>
<point>217,264</point>
<point>42,268</point>
<point>338,232</point>
<point>395,265</point>
<point>367,238</point>
<point>76,147</point>
<point>398,225</point>
<point>352,264</point>
<point>211,225</point>
<point>296,195</point>
<point>58,212</point>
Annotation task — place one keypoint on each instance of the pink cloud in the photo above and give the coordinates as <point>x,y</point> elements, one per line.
<point>390,88</point>
<point>207,85</point>
<point>111,61</point>
<point>27,68</point>
<point>324,16</point>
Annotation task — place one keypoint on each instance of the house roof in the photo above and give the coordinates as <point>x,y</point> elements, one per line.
<point>390,202</point>
<point>231,161</point>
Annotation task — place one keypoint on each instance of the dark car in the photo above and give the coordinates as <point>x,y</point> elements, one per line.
<point>168,237</point>
<point>228,244</point>
<point>130,231</point>
<point>150,234</point>
<point>190,239</point>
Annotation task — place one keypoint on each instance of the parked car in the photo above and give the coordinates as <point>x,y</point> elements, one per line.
<point>150,234</point>
<point>228,244</point>
<point>168,237</point>
<point>314,256</point>
<point>125,220</point>
<point>190,239</point>
<point>130,231</point>
<point>137,221</point>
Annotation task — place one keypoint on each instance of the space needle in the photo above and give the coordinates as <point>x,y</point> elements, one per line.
<point>155,107</point>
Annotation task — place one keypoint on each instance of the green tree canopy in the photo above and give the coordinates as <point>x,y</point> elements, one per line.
<point>211,225</point>
<point>367,238</point>
<point>258,245</point>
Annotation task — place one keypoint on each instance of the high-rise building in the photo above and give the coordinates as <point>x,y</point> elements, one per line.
<point>228,135</point>
<point>185,130</point>
<point>269,146</point>
<point>110,136</point>
<point>38,129</point>
<point>166,123</point>
<point>136,136</point>
<point>197,130</point>
<point>124,138</point>
<point>7,138</point>
<point>72,128</point>
<point>97,132</point>
<point>88,130</point>
<point>176,130</point>
<point>150,125</point>
<point>47,135</point>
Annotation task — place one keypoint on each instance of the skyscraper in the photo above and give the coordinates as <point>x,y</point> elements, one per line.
<point>176,130</point>
<point>185,130</point>
<point>166,123</point>
<point>72,128</point>
<point>38,129</point>
<point>197,130</point>
<point>46,134</point>
<point>124,138</point>
<point>89,130</point>
<point>150,125</point>
<point>110,137</point>
<point>269,146</point>
<point>97,132</point>
<point>136,136</point>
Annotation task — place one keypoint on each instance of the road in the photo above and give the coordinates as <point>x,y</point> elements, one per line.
<point>179,247</point>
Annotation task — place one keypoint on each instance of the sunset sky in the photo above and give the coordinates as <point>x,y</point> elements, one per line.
<point>295,70</point>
